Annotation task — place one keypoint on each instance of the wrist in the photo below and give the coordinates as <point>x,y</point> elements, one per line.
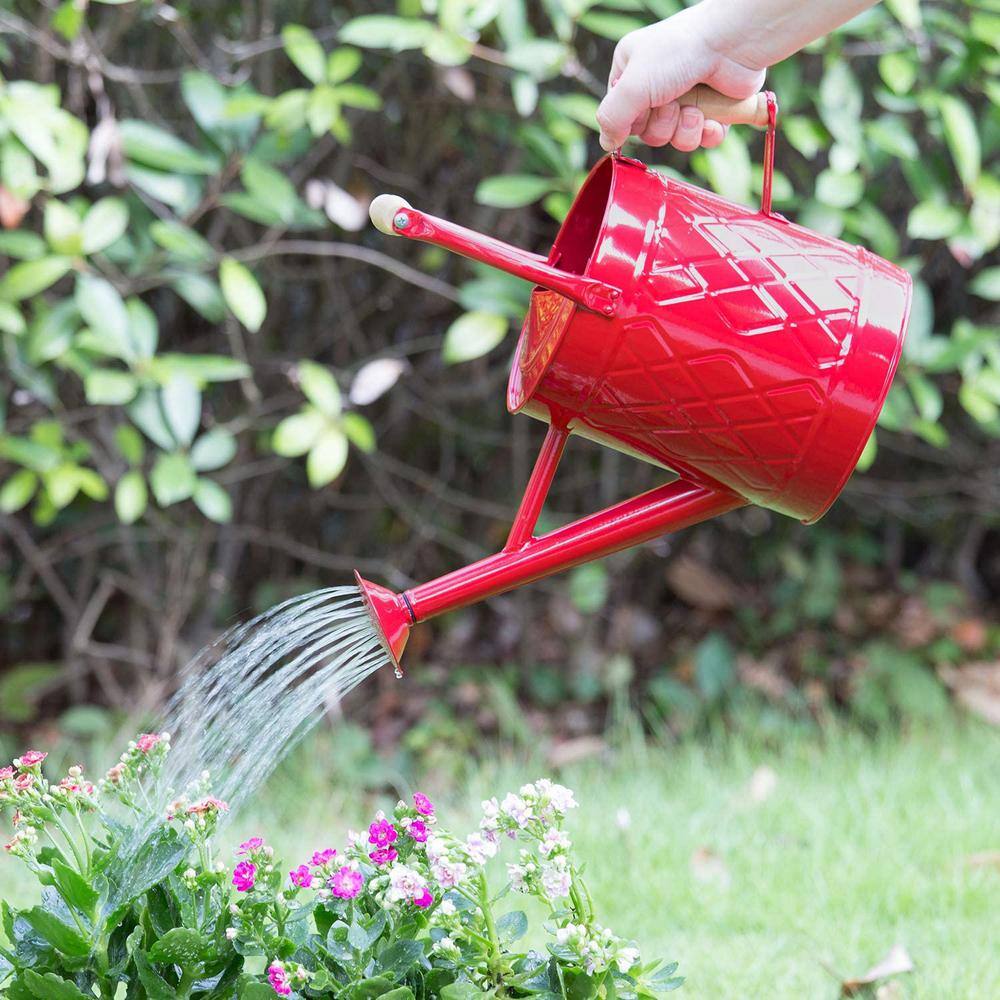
<point>729,34</point>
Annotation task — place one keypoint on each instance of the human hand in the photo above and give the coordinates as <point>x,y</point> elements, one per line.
<point>653,66</point>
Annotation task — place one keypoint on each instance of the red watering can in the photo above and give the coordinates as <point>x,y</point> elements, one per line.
<point>746,354</point>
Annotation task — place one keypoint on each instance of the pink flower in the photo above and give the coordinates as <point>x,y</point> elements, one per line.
<point>116,774</point>
<point>424,900</point>
<point>6,772</point>
<point>249,846</point>
<point>147,741</point>
<point>418,831</point>
<point>422,804</point>
<point>279,980</point>
<point>301,877</point>
<point>382,833</point>
<point>323,857</point>
<point>32,757</point>
<point>244,876</point>
<point>346,883</point>
<point>23,782</point>
<point>384,855</point>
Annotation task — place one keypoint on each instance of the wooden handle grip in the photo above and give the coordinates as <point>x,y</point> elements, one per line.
<point>727,110</point>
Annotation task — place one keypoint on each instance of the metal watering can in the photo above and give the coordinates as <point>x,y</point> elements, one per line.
<point>746,354</point>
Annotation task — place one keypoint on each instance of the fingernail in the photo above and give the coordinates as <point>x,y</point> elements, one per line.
<point>690,117</point>
<point>606,143</point>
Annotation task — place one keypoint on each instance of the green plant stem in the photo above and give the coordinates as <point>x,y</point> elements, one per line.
<point>491,929</point>
<point>81,864</point>
<point>86,838</point>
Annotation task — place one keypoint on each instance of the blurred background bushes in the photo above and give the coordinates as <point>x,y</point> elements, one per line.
<point>220,387</point>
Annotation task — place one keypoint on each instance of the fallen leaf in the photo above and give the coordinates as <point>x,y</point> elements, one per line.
<point>763,783</point>
<point>763,676</point>
<point>897,961</point>
<point>708,867</point>
<point>700,585</point>
<point>374,379</point>
<point>976,686</point>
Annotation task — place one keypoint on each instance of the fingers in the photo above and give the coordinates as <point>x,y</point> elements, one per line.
<point>713,133</point>
<point>624,103</point>
<point>661,125</point>
<point>687,135</point>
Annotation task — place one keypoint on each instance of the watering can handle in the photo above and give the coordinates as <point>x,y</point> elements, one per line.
<point>728,110</point>
<point>394,216</point>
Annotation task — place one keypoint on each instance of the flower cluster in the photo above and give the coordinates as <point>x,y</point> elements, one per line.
<point>144,756</point>
<point>596,948</point>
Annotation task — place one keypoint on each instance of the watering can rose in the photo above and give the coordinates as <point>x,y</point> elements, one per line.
<point>405,908</point>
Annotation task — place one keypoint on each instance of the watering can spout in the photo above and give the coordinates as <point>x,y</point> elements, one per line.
<point>391,617</point>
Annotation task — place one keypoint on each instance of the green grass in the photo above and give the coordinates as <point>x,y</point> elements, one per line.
<point>862,844</point>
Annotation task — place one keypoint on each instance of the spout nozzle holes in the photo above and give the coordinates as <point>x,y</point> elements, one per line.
<point>384,209</point>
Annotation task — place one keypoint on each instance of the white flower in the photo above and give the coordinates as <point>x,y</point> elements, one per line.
<point>480,848</point>
<point>190,874</point>
<point>553,841</point>
<point>626,958</point>
<point>491,808</point>
<point>404,883</point>
<point>447,908</point>
<point>231,933</point>
<point>517,809</point>
<point>448,873</point>
<point>560,796</point>
<point>516,874</point>
<point>447,948</point>
<point>556,881</point>
<point>529,791</point>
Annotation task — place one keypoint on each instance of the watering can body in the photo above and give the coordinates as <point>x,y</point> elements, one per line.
<point>746,354</point>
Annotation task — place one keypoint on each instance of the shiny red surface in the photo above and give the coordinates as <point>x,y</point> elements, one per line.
<point>746,353</point>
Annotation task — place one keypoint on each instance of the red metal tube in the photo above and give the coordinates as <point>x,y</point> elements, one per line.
<point>667,508</point>
<point>538,487</point>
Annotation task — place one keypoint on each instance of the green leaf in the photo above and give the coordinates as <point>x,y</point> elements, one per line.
<point>986,284</point>
<point>105,223</point>
<point>62,937</point>
<point>898,71</point>
<point>106,387</point>
<point>296,434</point>
<point>172,478</point>
<point>131,497</point>
<point>728,168</point>
<point>907,12</point>
<point>181,402</point>
<point>22,244</point>
<point>461,991</point>
<point>320,387</point>
<point>380,31</point>
<point>714,666</point>
<point>181,241</point>
<point>32,276</point>
<point>62,228</point>
<point>175,190</point>
<point>202,294</point>
<point>472,336</point>
<point>400,957</point>
<point>962,135</point>
<point>610,25</point>
<point>213,501</point>
<point>200,368</point>
<point>11,319</point>
<point>18,490</point>
<point>154,147</point>
<point>839,190</point>
<point>147,415</point>
<point>271,188</point>
<point>104,312</point>
<point>327,458</point>
<point>52,987</point>
<point>512,190</point>
<point>580,108</point>
<point>242,294</point>
<point>206,99</point>
<point>932,220</point>
<point>155,987</point>
<point>179,946</point>
<point>143,329</point>
<point>213,450</point>
<point>356,96</point>
<point>74,888</point>
<point>868,453</point>
<point>129,443</point>
<point>303,49</point>
<point>841,102</point>
<point>359,431</point>
<point>342,64</point>
<point>512,927</point>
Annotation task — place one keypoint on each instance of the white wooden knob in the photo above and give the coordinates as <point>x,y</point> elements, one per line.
<point>384,209</point>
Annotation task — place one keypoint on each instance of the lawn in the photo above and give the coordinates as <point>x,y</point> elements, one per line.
<point>770,886</point>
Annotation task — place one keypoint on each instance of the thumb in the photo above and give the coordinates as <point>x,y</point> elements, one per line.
<point>625,101</point>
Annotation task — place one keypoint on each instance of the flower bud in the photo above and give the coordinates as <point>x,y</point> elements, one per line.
<point>231,933</point>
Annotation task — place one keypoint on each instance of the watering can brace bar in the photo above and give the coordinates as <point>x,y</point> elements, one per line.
<point>743,353</point>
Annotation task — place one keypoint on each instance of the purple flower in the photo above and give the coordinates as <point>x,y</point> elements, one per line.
<point>418,831</point>
<point>382,833</point>
<point>301,877</point>
<point>422,804</point>
<point>346,883</point>
<point>249,846</point>
<point>278,978</point>
<point>424,900</point>
<point>321,858</point>
<point>384,855</point>
<point>244,876</point>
